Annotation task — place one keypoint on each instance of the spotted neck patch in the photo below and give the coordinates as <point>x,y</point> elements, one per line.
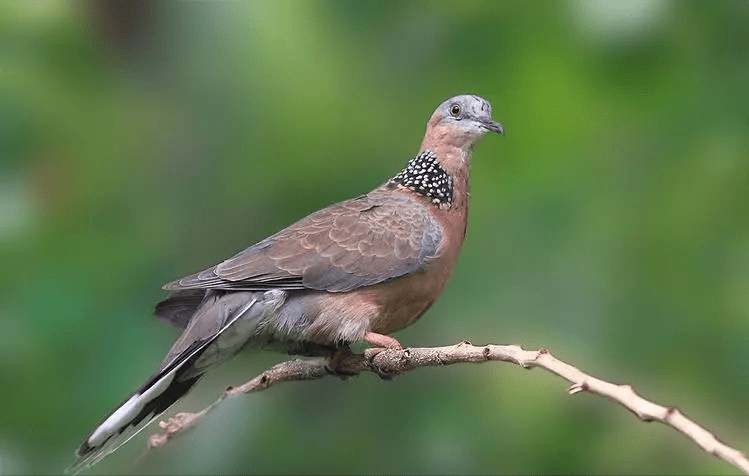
<point>424,176</point>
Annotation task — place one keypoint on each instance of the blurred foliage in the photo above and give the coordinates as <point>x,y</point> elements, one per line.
<point>140,142</point>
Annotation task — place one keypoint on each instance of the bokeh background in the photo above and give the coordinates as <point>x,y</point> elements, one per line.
<point>140,142</point>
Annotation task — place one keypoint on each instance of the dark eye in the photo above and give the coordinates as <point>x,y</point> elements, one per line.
<point>455,110</point>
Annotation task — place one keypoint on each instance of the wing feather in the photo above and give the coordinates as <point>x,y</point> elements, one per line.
<point>348,245</point>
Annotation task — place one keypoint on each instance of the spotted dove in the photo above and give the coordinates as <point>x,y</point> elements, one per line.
<point>354,271</point>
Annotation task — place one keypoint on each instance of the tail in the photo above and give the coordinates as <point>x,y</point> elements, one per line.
<point>147,403</point>
<point>182,368</point>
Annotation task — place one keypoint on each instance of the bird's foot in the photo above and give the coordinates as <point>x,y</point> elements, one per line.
<point>381,342</point>
<point>334,364</point>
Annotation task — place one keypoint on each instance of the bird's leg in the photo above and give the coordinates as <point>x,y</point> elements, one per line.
<point>333,362</point>
<point>380,342</point>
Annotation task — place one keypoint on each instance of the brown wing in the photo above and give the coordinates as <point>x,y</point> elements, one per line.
<point>348,245</point>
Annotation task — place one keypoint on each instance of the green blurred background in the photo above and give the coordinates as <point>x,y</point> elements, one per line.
<point>141,142</point>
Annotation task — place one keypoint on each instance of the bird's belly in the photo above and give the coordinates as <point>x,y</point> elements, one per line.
<point>334,319</point>
<point>327,319</point>
<point>406,302</point>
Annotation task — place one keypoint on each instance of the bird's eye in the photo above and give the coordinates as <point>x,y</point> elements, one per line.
<point>455,110</point>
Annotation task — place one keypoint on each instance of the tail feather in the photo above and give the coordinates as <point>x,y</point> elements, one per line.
<point>180,306</point>
<point>182,369</point>
<point>146,404</point>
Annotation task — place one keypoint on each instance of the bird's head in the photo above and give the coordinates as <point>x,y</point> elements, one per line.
<point>460,122</point>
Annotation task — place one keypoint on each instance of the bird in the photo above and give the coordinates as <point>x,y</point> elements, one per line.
<point>355,271</point>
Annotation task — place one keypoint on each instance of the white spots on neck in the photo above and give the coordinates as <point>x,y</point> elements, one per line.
<point>424,176</point>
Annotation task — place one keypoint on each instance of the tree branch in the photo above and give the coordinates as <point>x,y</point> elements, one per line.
<point>390,362</point>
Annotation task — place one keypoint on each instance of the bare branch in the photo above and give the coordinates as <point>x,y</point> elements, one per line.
<point>390,362</point>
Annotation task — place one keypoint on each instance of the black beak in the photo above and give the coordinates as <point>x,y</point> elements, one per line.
<point>493,126</point>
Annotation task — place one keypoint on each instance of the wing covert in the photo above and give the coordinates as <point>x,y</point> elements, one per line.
<point>351,244</point>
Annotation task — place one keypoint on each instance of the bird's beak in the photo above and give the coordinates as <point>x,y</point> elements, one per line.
<point>493,126</point>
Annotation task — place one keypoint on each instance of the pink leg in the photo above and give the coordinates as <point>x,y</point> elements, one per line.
<point>380,343</point>
<point>380,340</point>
